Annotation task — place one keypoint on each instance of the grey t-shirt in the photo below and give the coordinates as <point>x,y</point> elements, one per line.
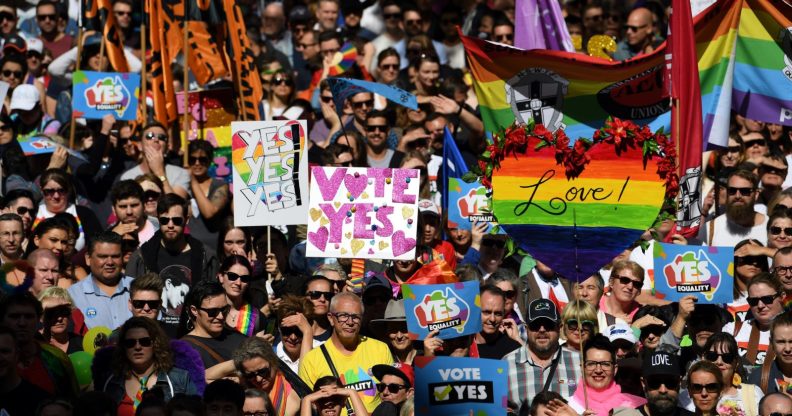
<point>176,176</point>
<point>381,163</point>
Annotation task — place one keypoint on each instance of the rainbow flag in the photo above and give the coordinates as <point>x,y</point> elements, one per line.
<point>744,59</point>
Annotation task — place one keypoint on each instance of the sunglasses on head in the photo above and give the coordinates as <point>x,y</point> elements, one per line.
<point>696,388</point>
<point>133,342</point>
<point>393,388</point>
<point>233,277</point>
<point>655,382</point>
<point>213,312</point>
<point>177,221</point>
<point>262,372</point>
<point>151,195</point>
<point>638,284</point>
<point>141,304</point>
<point>712,356</point>
<point>767,300</point>
<point>777,230</point>
<point>201,160</point>
<point>750,260</point>
<point>316,294</point>
<point>491,242</point>
<point>159,136</point>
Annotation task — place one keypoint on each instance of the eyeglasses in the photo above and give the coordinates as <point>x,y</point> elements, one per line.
<point>389,67</point>
<point>638,284</point>
<point>7,16</point>
<point>261,372</point>
<point>757,261</point>
<point>49,193</point>
<point>654,382</point>
<point>316,294</point>
<point>375,128</point>
<point>777,230</point>
<point>712,356</point>
<point>767,169</point>
<point>634,28</point>
<point>757,142</point>
<point>177,221</point>
<point>25,210</point>
<point>283,81</point>
<point>160,136</point>
<point>782,270</point>
<point>343,317</point>
<point>141,304</point>
<point>572,325</point>
<point>733,149</point>
<point>767,300</point>
<point>43,17</point>
<point>491,242</point>
<point>233,277</point>
<point>359,104</point>
<point>696,388</point>
<point>392,16</point>
<point>130,343</point>
<point>326,99</point>
<point>605,365</point>
<point>8,73</point>
<point>538,324</point>
<point>505,36</point>
<point>151,195</point>
<point>393,388</point>
<point>202,160</point>
<point>213,312</point>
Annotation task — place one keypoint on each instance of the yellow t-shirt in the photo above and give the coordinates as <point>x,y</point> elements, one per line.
<point>354,370</point>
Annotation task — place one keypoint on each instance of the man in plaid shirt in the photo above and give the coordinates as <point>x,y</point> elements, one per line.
<point>541,363</point>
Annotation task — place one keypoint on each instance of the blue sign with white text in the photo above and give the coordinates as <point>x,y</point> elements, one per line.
<point>704,271</point>
<point>454,309</point>
<point>97,94</point>
<point>455,386</point>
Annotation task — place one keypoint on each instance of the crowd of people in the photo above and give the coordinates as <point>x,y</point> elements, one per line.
<point>125,246</point>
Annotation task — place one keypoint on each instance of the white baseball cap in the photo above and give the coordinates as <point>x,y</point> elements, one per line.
<point>35,45</point>
<point>426,206</point>
<point>25,97</point>
<point>621,331</point>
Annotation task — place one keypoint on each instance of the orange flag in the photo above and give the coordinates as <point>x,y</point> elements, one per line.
<point>95,12</point>
<point>246,77</point>
<point>160,15</point>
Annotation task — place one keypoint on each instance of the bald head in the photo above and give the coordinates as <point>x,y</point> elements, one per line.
<point>775,403</point>
<point>39,254</point>
<point>640,28</point>
<point>273,19</point>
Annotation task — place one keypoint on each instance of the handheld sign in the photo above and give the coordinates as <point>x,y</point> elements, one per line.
<point>453,386</point>
<point>211,114</point>
<point>363,213</point>
<point>270,171</point>
<point>704,271</point>
<point>96,94</point>
<point>468,202</point>
<point>453,308</point>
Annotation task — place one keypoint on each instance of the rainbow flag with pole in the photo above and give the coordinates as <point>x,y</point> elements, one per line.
<point>744,50</point>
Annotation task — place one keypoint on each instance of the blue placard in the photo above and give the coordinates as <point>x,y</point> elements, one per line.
<point>467,202</point>
<point>453,386</point>
<point>453,308</point>
<point>97,94</point>
<point>704,271</point>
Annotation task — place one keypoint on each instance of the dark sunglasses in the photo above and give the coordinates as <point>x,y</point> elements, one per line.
<point>202,160</point>
<point>283,81</point>
<point>392,387</point>
<point>52,191</point>
<point>773,170</point>
<point>777,230</point>
<point>572,325</point>
<point>17,74</point>
<point>757,142</point>
<point>638,284</point>
<point>506,36</point>
<point>122,13</point>
<point>262,372</point>
<point>372,129</point>
<point>7,16</point>
<point>316,294</point>
<point>539,323</point>
<point>389,67</point>
<point>25,210</point>
<point>287,331</point>
<point>654,383</point>
<point>418,143</point>
<point>767,300</point>
<point>491,242</point>
<point>160,136</point>
<point>713,356</point>
<point>132,342</point>
<point>141,304</point>
<point>652,330</point>
<point>43,17</point>
<point>750,260</point>
<point>732,190</point>
<point>34,54</point>
<point>233,277</point>
<point>359,104</point>
<point>696,388</point>
<point>177,221</point>
<point>151,195</point>
<point>213,312</point>
<point>340,284</point>
<point>327,100</point>
<point>634,28</point>
<point>733,149</point>
<point>392,16</point>
<point>6,127</point>
<point>60,311</point>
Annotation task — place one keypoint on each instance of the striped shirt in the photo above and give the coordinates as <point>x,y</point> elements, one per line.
<point>527,378</point>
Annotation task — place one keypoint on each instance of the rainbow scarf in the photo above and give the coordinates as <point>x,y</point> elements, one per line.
<point>742,67</point>
<point>279,394</point>
<point>246,322</point>
<point>788,302</point>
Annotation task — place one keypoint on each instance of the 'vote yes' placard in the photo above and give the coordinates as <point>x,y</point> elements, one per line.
<point>457,385</point>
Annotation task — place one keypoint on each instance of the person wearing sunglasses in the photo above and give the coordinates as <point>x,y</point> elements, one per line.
<point>282,95</point>
<point>57,320</point>
<point>779,232</point>
<point>772,175</point>
<point>749,262</point>
<point>155,144</point>
<point>319,290</point>
<point>396,385</point>
<point>755,146</point>
<point>256,366</point>
<point>204,322</point>
<point>152,190</point>
<point>337,275</point>
<point>626,281</point>
<point>765,296</point>
<point>705,386</point>
<point>578,325</point>
<point>235,275</point>
<point>639,36</point>
<point>380,153</point>
<point>20,202</point>
<point>170,245</point>
<point>8,20</point>
<point>773,375</point>
<point>721,350</point>
<point>211,197</point>
<point>388,66</point>
<point>13,70</point>
<point>295,334</point>
<point>503,31</point>
<point>143,361</point>
<point>653,321</point>
<point>52,32</point>
<point>661,383</point>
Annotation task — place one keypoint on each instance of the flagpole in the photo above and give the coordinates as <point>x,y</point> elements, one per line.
<point>143,87</point>
<point>185,82</point>
<point>72,128</point>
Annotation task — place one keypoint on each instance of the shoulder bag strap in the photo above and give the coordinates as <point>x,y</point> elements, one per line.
<point>552,371</point>
<point>753,344</point>
<point>768,363</point>
<point>333,370</point>
<point>206,348</point>
<point>737,327</point>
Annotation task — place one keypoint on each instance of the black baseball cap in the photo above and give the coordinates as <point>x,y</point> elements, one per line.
<point>542,308</point>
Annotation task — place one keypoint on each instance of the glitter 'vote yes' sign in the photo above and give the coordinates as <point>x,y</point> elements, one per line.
<point>363,213</point>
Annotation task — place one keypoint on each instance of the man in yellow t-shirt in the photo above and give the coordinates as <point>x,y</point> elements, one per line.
<point>352,355</point>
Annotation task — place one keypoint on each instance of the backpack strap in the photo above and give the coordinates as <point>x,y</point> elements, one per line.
<point>206,348</point>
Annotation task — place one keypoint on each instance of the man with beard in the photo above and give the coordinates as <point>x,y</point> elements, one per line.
<point>541,364</point>
<point>740,222</point>
<point>346,352</point>
<point>772,376</point>
<point>661,382</point>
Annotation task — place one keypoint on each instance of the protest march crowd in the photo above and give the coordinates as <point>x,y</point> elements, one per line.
<point>130,286</point>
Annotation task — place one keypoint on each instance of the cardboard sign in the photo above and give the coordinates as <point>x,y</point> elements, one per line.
<point>454,309</point>
<point>211,114</point>
<point>363,213</point>
<point>467,202</point>
<point>453,386</point>
<point>96,94</point>
<point>707,272</point>
<point>270,172</point>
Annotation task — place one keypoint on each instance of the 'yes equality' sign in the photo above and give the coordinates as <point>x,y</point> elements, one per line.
<point>453,308</point>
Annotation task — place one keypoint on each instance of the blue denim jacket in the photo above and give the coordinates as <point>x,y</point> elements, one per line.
<point>173,382</point>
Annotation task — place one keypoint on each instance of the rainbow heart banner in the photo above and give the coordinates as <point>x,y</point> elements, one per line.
<point>270,168</point>
<point>703,271</point>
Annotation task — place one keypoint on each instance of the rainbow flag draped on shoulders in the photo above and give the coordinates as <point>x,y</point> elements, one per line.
<point>744,50</point>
